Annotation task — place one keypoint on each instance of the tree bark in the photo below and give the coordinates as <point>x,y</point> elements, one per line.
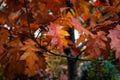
<point>71,62</point>
<point>72,69</point>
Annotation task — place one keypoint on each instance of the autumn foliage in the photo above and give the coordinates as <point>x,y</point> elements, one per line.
<point>22,52</point>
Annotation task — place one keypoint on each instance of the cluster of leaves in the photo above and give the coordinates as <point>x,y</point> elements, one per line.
<point>97,22</point>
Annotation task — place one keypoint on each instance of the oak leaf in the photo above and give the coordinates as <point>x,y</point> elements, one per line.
<point>3,17</point>
<point>14,16</point>
<point>55,5</point>
<point>2,20</point>
<point>2,49</point>
<point>58,36</point>
<point>14,5</point>
<point>4,35</point>
<point>10,59</point>
<point>77,25</point>
<point>96,47</point>
<point>33,61</point>
<point>114,35</point>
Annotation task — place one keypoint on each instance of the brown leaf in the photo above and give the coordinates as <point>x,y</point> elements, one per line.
<point>14,5</point>
<point>2,20</point>
<point>11,59</point>
<point>2,49</point>
<point>110,9</point>
<point>3,17</point>
<point>40,12</point>
<point>4,35</point>
<point>96,46</point>
<point>14,67</point>
<point>106,25</point>
<point>114,35</point>
<point>2,53</point>
<point>33,61</point>
<point>55,5</point>
<point>14,16</point>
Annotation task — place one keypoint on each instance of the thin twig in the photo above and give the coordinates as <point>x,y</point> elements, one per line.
<point>28,20</point>
<point>65,56</point>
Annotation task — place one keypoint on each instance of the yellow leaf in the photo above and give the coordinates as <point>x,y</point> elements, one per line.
<point>72,11</point>
<point>69,14</point>
<point>63,33</point>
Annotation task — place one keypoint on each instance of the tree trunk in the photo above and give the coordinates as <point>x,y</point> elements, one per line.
<point>72,69</point>
<point>72,63</point>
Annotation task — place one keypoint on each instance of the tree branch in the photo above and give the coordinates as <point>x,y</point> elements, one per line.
<point>65,56</point>
<point>28,20</point>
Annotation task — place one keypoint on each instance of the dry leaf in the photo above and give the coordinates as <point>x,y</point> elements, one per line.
<point>96,46</point>
<point>77,25</point>
<point>2,49</point>
<point>115,40</point>
<point>4,35</point>
<point>33,61</point>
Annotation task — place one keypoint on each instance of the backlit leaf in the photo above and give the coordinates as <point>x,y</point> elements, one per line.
<point>77,25</point>
<point>115,40</point>
<point>58,36</point>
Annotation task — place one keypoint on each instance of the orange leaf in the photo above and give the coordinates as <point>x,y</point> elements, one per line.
<point>10,59</point>
<point>3,35</point>
<point>13,16</point>
<point>33,61</point>
<point>35,26</point>
<point>85,17</point>
<point>2,20</point>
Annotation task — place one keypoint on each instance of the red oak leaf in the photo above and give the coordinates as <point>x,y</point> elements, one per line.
<point>79,27</point>
<point>97,46</point>
<point>58,36</point>
<point>115,40</point>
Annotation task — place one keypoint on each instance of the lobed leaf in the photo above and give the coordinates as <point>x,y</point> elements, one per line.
<point>96,47</point>
<point>114,35</point>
